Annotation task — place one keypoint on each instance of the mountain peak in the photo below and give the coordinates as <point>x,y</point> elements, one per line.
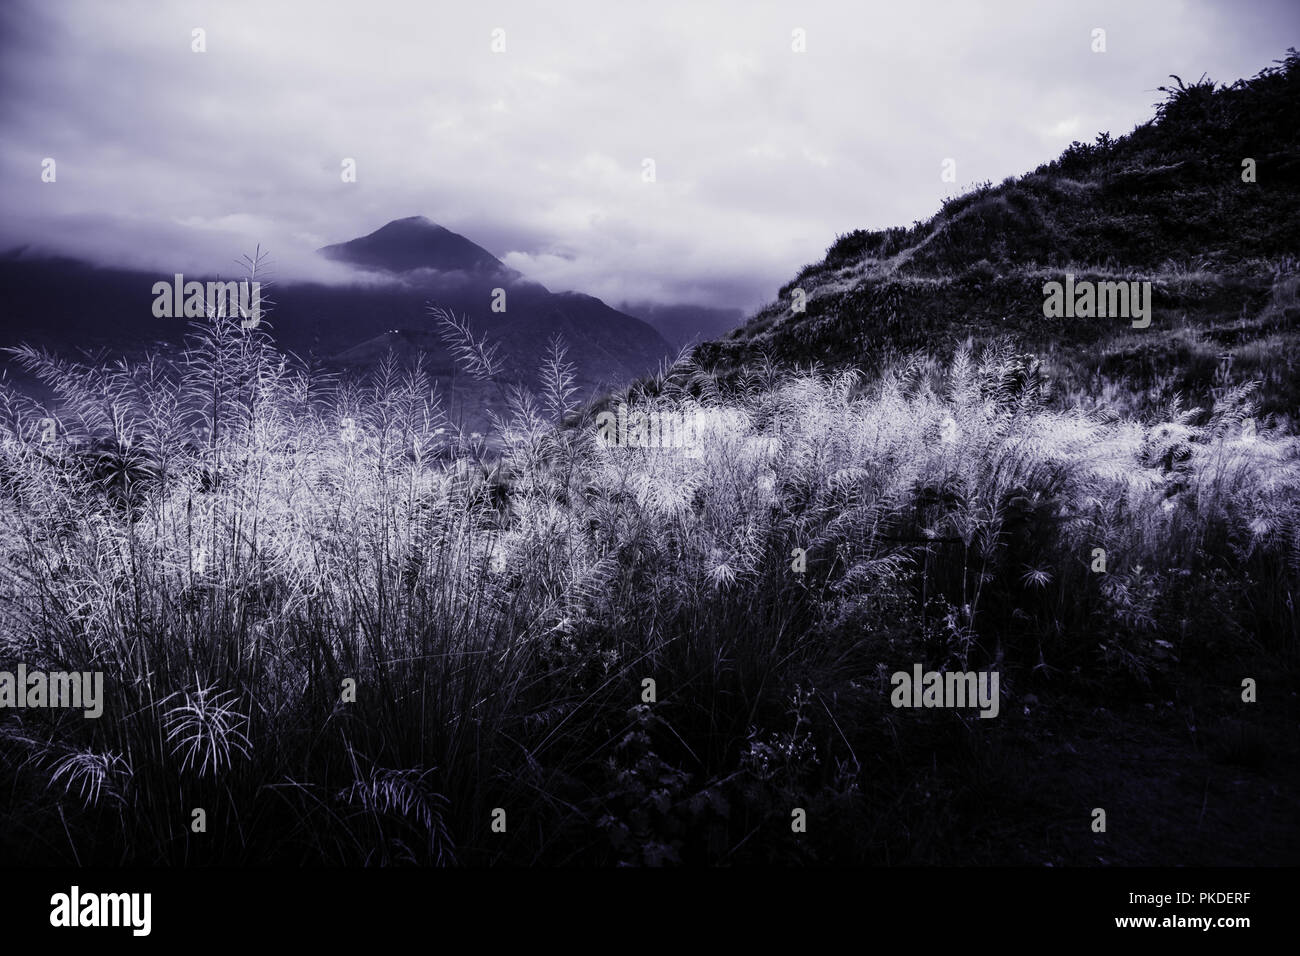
<point>416,242</point>
<point>411,223</point>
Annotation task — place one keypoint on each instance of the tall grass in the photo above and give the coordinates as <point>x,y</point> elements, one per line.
<point>237,543</point>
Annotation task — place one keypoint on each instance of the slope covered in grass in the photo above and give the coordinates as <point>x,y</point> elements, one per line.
<point>1166,203</point>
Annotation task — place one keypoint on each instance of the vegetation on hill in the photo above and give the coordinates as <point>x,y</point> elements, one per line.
<point>1166,203</point>
<point>348,635</point>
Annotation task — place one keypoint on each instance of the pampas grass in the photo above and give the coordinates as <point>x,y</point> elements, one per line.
<point>234,541</point>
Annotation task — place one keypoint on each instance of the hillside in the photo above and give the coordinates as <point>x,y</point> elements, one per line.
<point>1166,203</point>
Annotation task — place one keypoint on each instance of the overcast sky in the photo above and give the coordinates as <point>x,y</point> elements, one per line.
<point>182,161</point>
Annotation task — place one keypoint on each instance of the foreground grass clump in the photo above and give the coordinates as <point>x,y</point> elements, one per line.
<point>349,633</point>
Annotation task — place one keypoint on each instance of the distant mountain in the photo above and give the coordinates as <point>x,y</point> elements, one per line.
<point>415,243</point>
<point>434,264</point>
<point>684,324</point>
<point>1203,202</point>
<point>64,304</point>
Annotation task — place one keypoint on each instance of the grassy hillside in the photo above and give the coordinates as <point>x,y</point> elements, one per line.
<point>1165,203</point>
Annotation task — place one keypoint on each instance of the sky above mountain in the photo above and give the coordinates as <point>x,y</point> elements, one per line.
<point>176,160</point>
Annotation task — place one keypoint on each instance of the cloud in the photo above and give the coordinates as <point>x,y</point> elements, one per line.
<point>174,159</point>
<point>1065,129</point>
